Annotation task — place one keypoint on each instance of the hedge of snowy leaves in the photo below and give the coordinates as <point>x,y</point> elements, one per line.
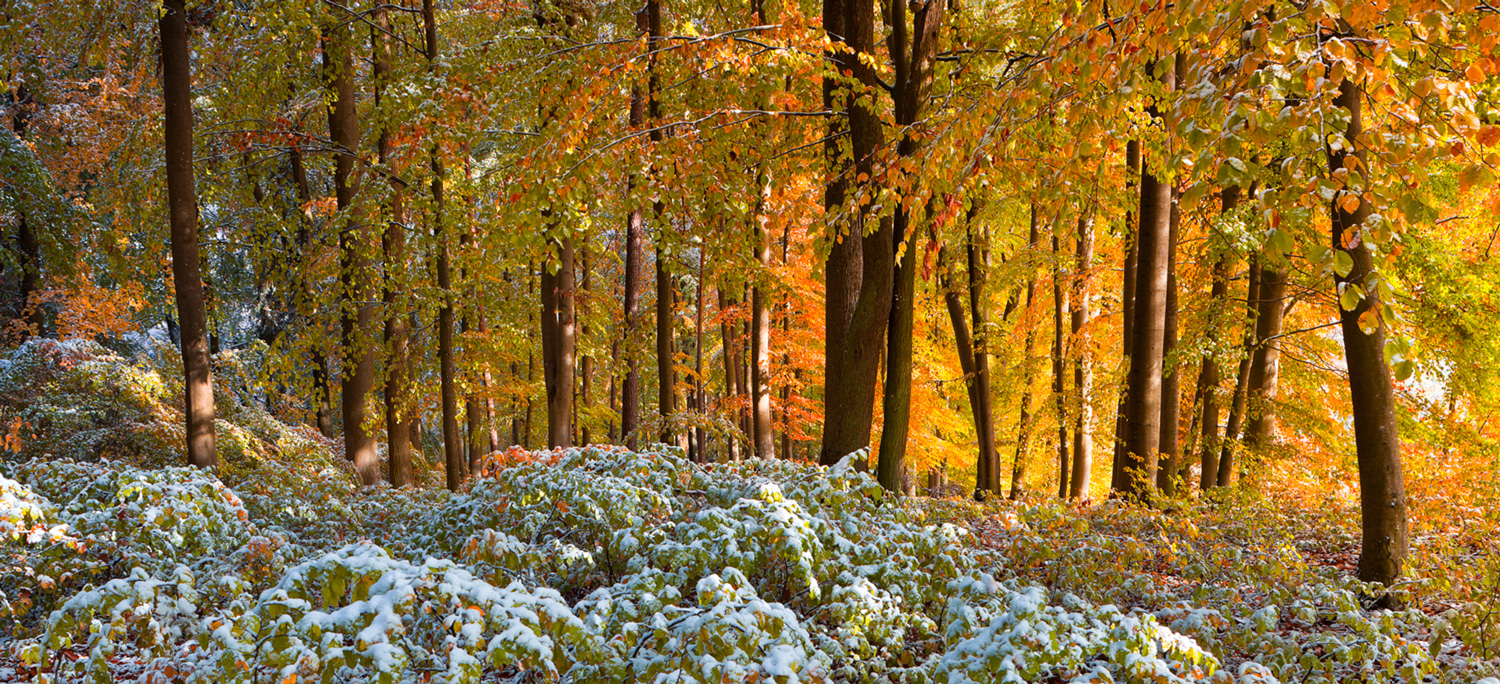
<point>582,566</point>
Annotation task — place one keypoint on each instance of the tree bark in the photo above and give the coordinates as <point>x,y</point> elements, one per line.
<point>393,246</point>
<point>859,270</point>
<point>666,354</point>
<point>1117,479</point>
<point>1265,362</point>
<point>454,462</point>
<point>1028,321</point>
<point>1377,441</point>
<point>356,272</point>
<point>1143,405</point>
<point>182,213</point>
<point>558,342</point>
<point>1218,295</point>
<point>1083,371</point>
<point>731,364</point>
<point>1241,381</point>
<point>1059,380</point>
<point>914,51</point>
<point>585,397</point>
<point>763,439</point>
<point>978,256</point>
<point>1171,381</point>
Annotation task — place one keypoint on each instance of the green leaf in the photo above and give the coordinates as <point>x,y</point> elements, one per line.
<point>1349,298</point>
<point>1343,264</point>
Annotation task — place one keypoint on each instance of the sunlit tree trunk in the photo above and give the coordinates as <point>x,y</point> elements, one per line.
<point>1377,442</point>
<point>1028,321</point>
<point>1059,380</point>
<point>356,273</point>
<point>182,215</point>
<point>1083,371</point>
<point>1171,381</point>
<point>977,254</point>
<point>1265,362</point>
<point>393,246</point>
<point>731,363</point>
<point>1228,446</point>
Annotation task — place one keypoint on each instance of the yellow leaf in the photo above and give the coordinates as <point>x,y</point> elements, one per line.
<point>1349,203</point>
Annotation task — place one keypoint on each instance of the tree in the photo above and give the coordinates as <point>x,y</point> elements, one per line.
<point>1083,371</point>
<point>393,244</point>
<point>1144,394</point>
<point>1208,442</point>
<point>1024,427</point>
<point>1377,440</point>
<point>182,204</point>
<point>1059,380</point>
<point>558,342</point>
<point>1131,243</point>
<point>859,269</point>
<point>455,465</point>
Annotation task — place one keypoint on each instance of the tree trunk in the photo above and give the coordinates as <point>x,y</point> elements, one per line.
<point>393,246</point>
<point>762,438</point>
<point>914,50</point>
<point>859,270</point>
<point>731,364</point>
<point>323,403</point>
<point>1117,479</point>
<point>1028,321</point>
<point>1083,371</point>
<point>558,343</point>
<point>1241,381</point>
<point>786,354</point>
<point>1059,380</point>
<point>666,376</point>
<point>700,404</point>
<point>356,315</point>
<point>1265,362</point>
<point>182,206</point>
<point>635,231</point>
<point>453,445</point>
<point>1208,442</point>
<point>1143,406</point>
<point>1377,442</point>
<point>1171,381</point>
<point>586,362</point>
<point>978,256</point>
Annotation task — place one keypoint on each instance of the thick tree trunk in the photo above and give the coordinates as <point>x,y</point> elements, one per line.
<point>453,445</point>
<point>1028,321</point>
<point>1241,381</point>
<point>182,214</point>
<point>1117,479</point>
<point>914,49</point>
<point>356,314</point>
<point>1377,442</point>
<point>1171,381</point>
<point>393,246</point>
<point>1059,380</point>
<point>558,343</point>
<point>859,270</point>
<point>1083,370</point>
<point>1143,405</point>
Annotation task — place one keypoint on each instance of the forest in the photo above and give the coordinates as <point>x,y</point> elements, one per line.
<point>948,341</point>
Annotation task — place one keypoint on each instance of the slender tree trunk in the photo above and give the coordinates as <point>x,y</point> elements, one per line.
<point>454,461</point>
<point>1377,442</point>
<point>558,343</point>
<point>1208,442</point>
<point>1028,321</point>
<point>859,270</point>
<point>356,313</point>
<point>666,376</point>
<point>182,206</point>
<point>977,254</point>
<point>321,398</point>
<point>700,404</point>
<point>1241,381</point>
<point>635,231</point>
<point>731,364</point>
<point>585,362</point>
<point>1117,479</point>
<point>1171,386</point>
<point>393,246</point>
<point>1083,372</point>
<point>1265,362</point>
<point>760,342</point>
<point>1059,380</point>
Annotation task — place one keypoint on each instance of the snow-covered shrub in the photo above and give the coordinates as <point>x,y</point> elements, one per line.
<point>594,565</point>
